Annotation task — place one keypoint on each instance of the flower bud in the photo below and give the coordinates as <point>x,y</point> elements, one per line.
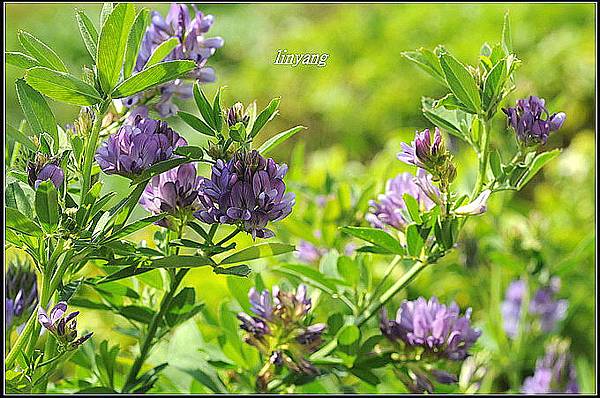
<point>236,114</point>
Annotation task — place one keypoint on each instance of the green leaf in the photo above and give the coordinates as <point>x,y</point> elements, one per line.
<point>156,74</point>
<point>125,273</point>
<point>107,8</point>
<point>496,164</point>
<point>37,112</point>
<point>21,223</point>
<point>41,52</point>
<point>348,335</point>
<point>494,82</point>
<point>461,82</point>
<point>506,35</point>
<point>427,61</point>
<point>21,60</point>
<point>181,262</point>
<point>133,227</point>
<point>134,40</point>
<point>112,44</point>
<point>413,207</point>
<point>190,151</point>
<point>267,114</point>
<point>137,313</point>
<point>88,31</point>
<point>121,212</point>
<point>20,137</point>
<point>273,142</point>
<point>161,51</point>
<point>159,168</point>
<point>62,87</point>
<point>449,120</point>
<point>182,307</point>
<point>258,251</point>
<point>349,270</point>
<point>413,240</point>
<point>17,198</point>
<point>196,123</point>
<point>238,270</point>
<point>46,205</point>
<point>217,112</point>
<point>310,276</point>
<point>203,105</point>
<point>538,162</point>
<point>378,237</point>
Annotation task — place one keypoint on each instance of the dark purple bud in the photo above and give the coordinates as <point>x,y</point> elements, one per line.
<point>21,293</point>
<point>311,337</point>
<point>236,114</point>
<point>441,376</point>
<point>262,305</point>
<point>253,325</point>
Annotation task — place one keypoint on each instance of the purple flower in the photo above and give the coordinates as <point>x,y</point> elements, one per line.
<point>134,148</point>
<point>21,293</point>
<point>278,330</point>
<point>422,152</point>
<point>309,253</point>
<point>439,329</point>
<point>390,210</point>
<point>64,328</point>
<point>174,191</point>
<point>546,307</point>
<point>511,307</point>
<point>253,325</point>
<point>262,304</point>
<point>554,372</point>
<point>37,173</point>
<point>543,305</point>
<point>532,122</point>
<point>192,46</point>
<point>247,191</point>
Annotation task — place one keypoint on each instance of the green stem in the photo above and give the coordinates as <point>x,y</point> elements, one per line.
<point>388,271</point>
<point>152,329</point>
<point>90,150</point>
<point>482,157</point>
<point>155,322</point>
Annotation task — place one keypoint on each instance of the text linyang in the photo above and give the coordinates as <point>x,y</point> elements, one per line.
<point>285,58</point>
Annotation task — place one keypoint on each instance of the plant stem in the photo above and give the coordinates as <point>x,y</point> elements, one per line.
<point>376,305</point>
<point>156,320</point>
<point>152,329</point>
<point>482,156</point>
<point>90,150</point>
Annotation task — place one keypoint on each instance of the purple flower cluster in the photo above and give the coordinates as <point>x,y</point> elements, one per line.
<point>531,120</point>
<point>543,305</point>
<point>134,148</point>
<point>21,293</point>
<point>64,328</point>
<point>38,172</point>
<point>436,328</point>
<point>192,46</point>
<point>278,330</point>
<point>174,191</point>
<point>390,210</point>
<point>554,372</point>
<point>247,191</point>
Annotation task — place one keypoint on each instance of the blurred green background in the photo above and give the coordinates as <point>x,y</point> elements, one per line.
<point>367,100</point>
